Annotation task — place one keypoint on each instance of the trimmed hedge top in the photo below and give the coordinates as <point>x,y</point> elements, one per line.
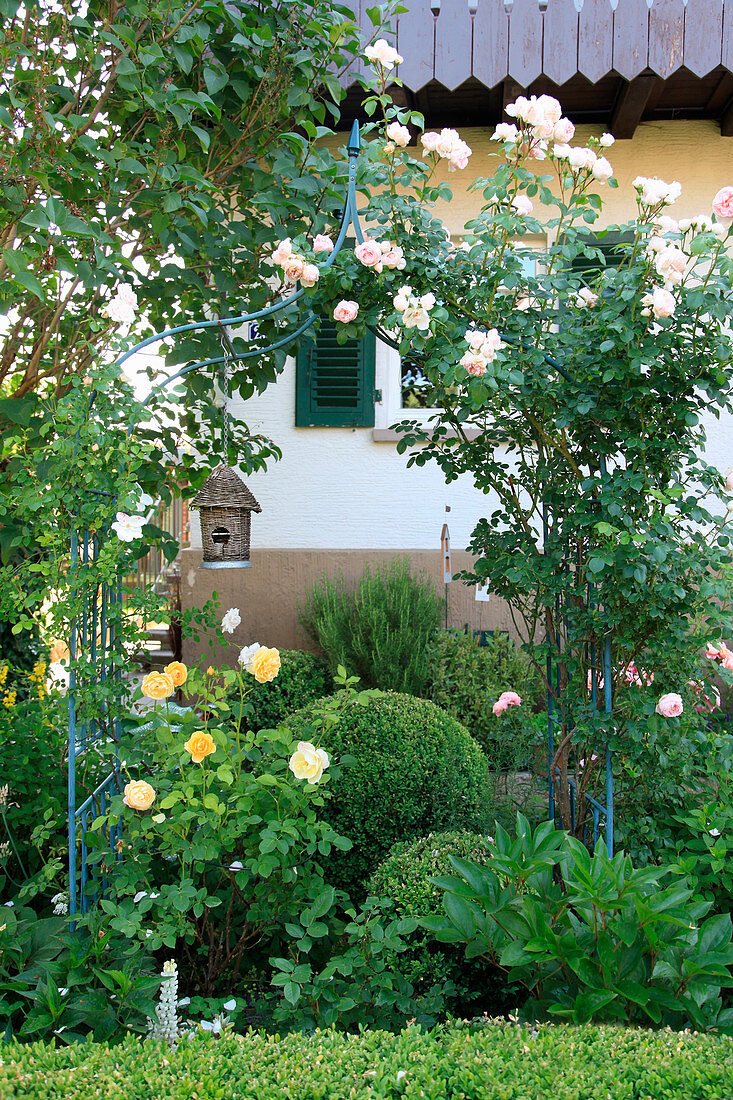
<point>492,1061</point>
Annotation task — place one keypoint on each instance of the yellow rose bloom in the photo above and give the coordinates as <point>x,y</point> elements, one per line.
<point>158,685</point>
<point>200,745</point>
<point>139,795</point>
<point>9,699</point>
<point>308,762</point>
<point>177,672</point>
<point>211,671</point>
<point>265,665</point>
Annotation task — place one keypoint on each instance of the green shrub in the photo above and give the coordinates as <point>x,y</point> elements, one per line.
<point>405,876</point>
<point>410,768</point>
<point>302,679</point>
<point>381,631</point>
<point>589,937</point>
<point>466,680</point>
<point>488,1060</point>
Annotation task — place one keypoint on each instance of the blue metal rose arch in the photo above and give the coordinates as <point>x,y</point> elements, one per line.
<point>93,640</point>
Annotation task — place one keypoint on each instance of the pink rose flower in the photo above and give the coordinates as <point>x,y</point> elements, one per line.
<point>523,205</point>
<point>563,131</point>
<point>430,141</point>
<point>322,243</point>
<point>381,53</point>
<point>310,275</point>
<point>369,253</point>
<point>474,362</point>
<point>723,205</point>
<point>506,699</point>
<point>282,253</point>
<point>660,302</point>
<point>345,311</point>
<point>728,483</point>
<point>398,134</point>
<point>392,256</point>
<point>601,169</point>
<point>670,705</point>
<point>708,703</point>
<point>293,268</point>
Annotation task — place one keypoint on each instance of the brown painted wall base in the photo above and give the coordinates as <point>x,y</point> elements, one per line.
<point>267,594</point>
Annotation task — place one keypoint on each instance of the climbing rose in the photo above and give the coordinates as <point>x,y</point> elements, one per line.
<point>345,311</point>
<point>523,205</point>
<point>659,302</point>
<point>293,267</point>
<point>381,53</point>
<point>723,205</point>
<point>506,699</point>
<point>123,307</point>
<point>322,243</point>
<point>670,705</point>
<point>399,134</point>
<point>128,528</point>
<point>158,685</point>
<point>282,253</point>
<point>310,275</point>
<point>138,795</point>
<point>585,298</point>
<point>369,253</point>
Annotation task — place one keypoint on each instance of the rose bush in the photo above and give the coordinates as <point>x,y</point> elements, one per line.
<point>573,396</point>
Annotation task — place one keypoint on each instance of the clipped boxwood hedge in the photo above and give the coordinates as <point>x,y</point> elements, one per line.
<point>413,769</point>
<point>490,1062</point>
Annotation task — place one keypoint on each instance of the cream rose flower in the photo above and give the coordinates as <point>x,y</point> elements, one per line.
<point>158,685</point>
<point>308,762</point>
<point>265,665</point>
<point>200,744</point>
<point>138,795</point>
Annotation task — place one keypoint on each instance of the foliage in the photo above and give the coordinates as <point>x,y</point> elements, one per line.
<point>547,1062</point>
<point>703,838</point>
<point>229,851</point>
<point>578,415</point>
<point>589,937</point>
<point>71,985</point>
<point>154,122</point>
<point>302,679</point>
<point>405,876</point>
<point>408,768</point>
<point>381,631</point>
<point>358,986</point>
<point>466,680</point>
<point>33,740</point>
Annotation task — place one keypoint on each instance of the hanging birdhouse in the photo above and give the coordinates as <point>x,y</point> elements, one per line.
<point>226,506</point>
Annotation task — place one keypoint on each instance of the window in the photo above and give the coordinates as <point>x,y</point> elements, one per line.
<point>335,382</point>
<point>609,244</point>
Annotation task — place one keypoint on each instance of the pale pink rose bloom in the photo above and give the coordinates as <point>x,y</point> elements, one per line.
<point>601,169</point>
<point>427,301</point>
<point>389,148</point>
<point>659,302</point>
<point>537,150</point>
<point>670,705</point>
<point>519,108</point>
<point>459,156</point>
<point>310,275</point>
<point>474,362</point>
<point>580,157</point>
<point>383,54</point>
<point>123,307</point>
<point>708,703</point>
<point>728,483</point>
<point>543,112</point>
<point>505,131</point>
<point>430,141</point>
<point>369,253</point>
<point>561,152</point>
<point>293,268</point>
<point>447,139</point>
<point>393,258</point>
<point>607,140</point>
<point>654,191</point>
<point>523,205</point>
<point>712,652</point>
<point>670,264</point>
<point>283,252</point>
<point>475,338</point>
<point>585,298</point>
<point>322,243</point>
<point>665,224</point>
<point>563,131</point>
<point>345,311</point>
<point>402,298</point>
<point>723,205</point>
<point>727,659</point>
<point>506,699</point>
<point>399,134</point>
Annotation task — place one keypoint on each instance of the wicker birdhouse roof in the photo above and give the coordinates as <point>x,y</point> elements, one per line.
<point>225,489</point>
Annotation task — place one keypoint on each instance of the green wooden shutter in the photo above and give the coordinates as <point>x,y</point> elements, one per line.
<point>335,382</point>
<point>609,245</point>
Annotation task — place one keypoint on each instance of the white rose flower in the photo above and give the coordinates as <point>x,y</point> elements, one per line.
<point>381,53</point>
<point>128,528</point>
<point>231,620</point>
<point>246,655</point>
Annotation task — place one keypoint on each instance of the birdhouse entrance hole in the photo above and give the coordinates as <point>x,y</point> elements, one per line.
<point>220,536</point>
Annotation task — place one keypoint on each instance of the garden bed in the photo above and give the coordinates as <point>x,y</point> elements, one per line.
<point>491,1061</point>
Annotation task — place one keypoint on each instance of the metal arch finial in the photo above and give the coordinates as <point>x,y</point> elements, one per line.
<point>354,145</point>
